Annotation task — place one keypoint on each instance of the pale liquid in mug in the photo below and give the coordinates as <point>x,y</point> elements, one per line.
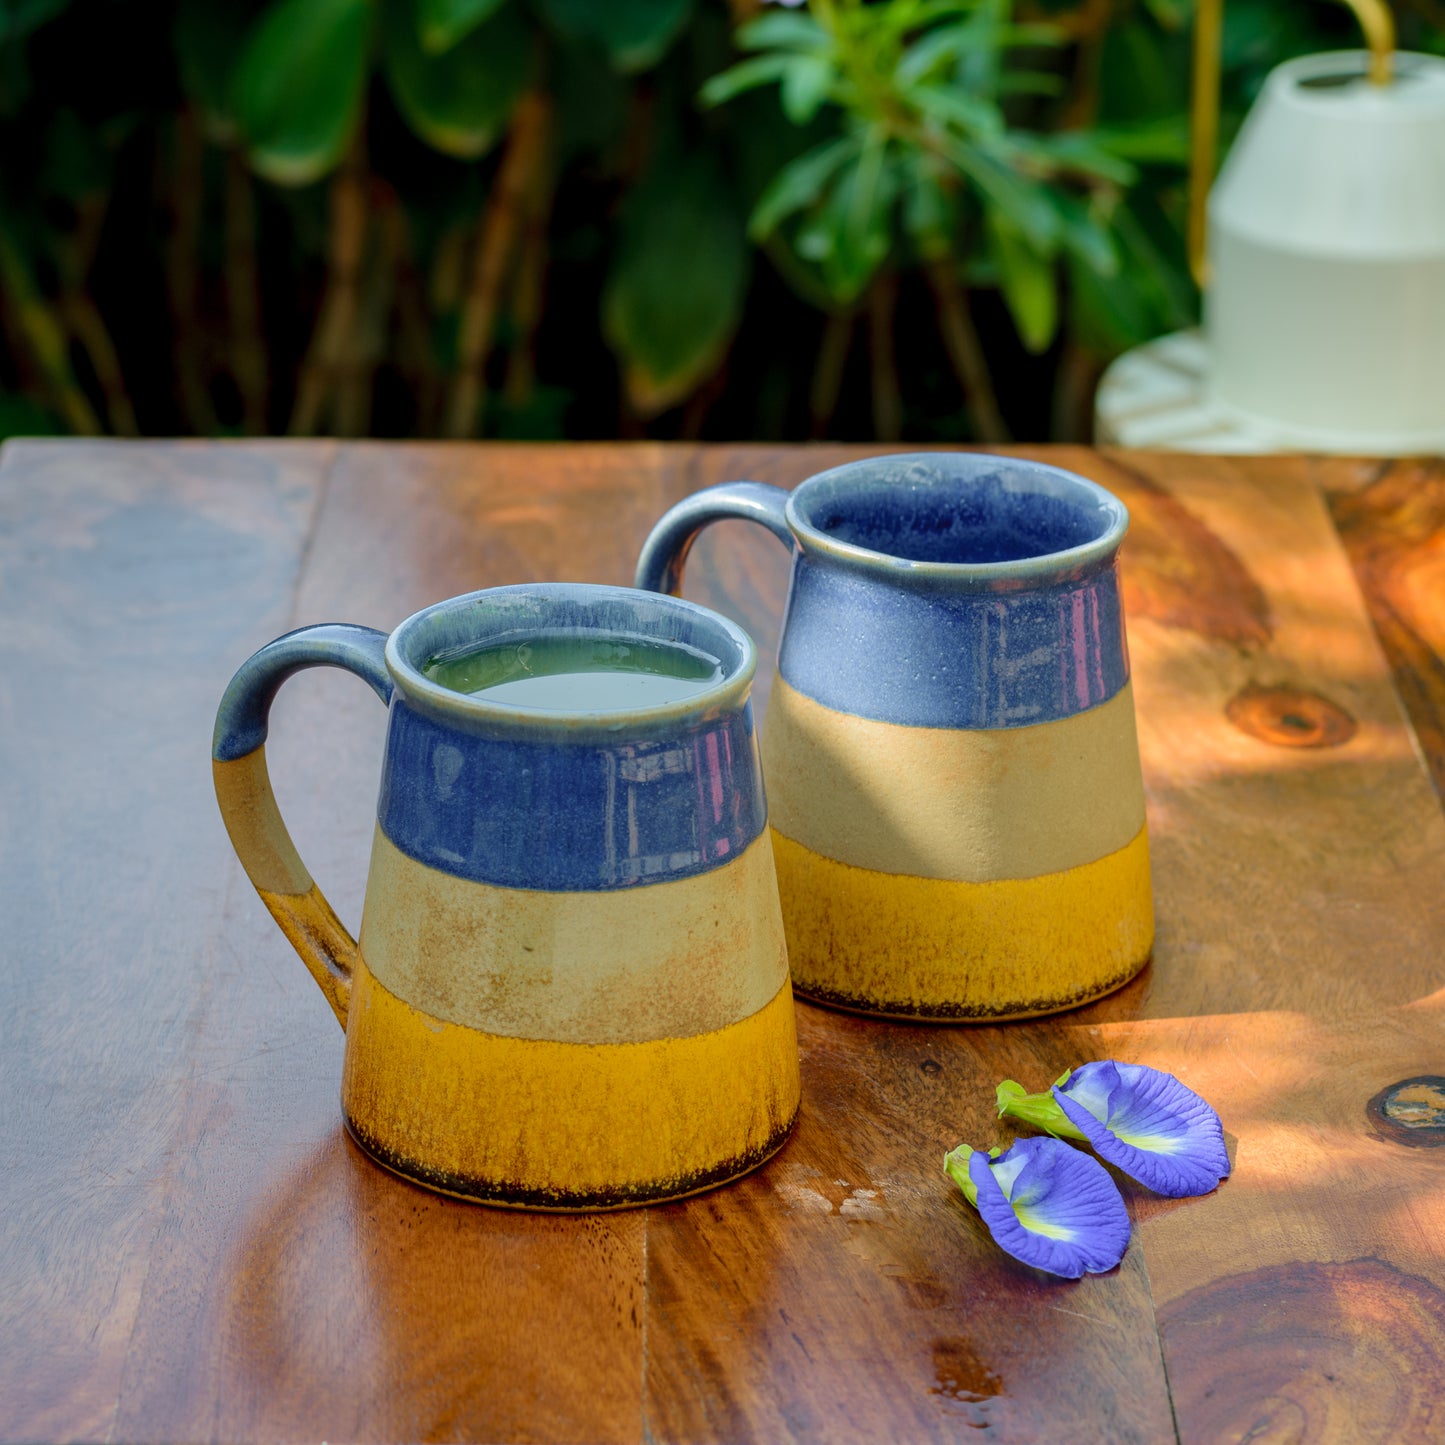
<point>578,674</point>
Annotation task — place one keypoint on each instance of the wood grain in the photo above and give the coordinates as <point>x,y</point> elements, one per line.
<point>1392,519</point>
<point>191,1249</point>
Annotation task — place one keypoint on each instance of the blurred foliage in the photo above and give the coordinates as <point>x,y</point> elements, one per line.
<point>545,218</point>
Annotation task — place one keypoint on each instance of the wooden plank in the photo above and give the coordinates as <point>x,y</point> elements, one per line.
<point>245,1275</point>
<point>734,1276</point>
<point>1391,516</point>
<point>299,1292</point>
<point>1302,878</point>
<point>131,578</point>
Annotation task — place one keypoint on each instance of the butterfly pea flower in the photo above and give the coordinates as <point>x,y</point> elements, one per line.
<point>1141,1120</point>
<point>1046,1204</point>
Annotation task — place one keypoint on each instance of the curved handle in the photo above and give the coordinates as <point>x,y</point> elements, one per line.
<point>664,554</point>
<point>243,789</point>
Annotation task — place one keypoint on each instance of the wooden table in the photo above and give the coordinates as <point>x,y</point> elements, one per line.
<point>192,1250</point>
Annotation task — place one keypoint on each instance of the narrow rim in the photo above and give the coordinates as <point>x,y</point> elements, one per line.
<point>1034,478</point>
<point>410,638</point>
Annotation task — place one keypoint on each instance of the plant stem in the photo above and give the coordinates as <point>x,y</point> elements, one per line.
<point>965,351</point>
<point>883,364</point>
<point>75,256</point>
<point>187,191</point>
<point>332,339</point>
<point>529,291</point>
<point>45,337</point>
<point>243,296</point>
<point>496,243</point>
<point>828,372</point>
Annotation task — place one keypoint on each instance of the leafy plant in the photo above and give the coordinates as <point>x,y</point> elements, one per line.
<point>925,166</point>
<point>512,217</point>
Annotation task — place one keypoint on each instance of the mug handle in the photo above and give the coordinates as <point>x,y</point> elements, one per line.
<point>664,554</point>
<point>248,806</point>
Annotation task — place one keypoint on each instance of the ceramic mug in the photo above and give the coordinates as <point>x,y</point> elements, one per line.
<point>950,749</point>
<point>571,987</point>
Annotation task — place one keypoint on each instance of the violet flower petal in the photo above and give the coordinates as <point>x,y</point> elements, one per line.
<point>1148,1124</point>
<point>1051,1207</point>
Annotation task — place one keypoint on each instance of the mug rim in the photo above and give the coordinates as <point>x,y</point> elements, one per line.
<point>1065,564</point>
<point>731,692</point>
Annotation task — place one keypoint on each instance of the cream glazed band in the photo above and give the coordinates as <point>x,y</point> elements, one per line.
<point>959,873</point>
<point>654,961</point>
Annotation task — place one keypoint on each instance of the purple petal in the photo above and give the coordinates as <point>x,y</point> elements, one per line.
<point>1052,1207</point>
<point>1148,1124</point>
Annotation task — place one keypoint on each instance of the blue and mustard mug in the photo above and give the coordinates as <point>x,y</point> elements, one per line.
<point>953,771</point>
<point>571,986</point>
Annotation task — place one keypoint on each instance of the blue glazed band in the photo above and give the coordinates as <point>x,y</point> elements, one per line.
<point>928,658</point>
<point>520,812</point>
<point>522,798</point>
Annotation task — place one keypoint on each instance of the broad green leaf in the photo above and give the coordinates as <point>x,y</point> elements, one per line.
<point>299,86</point>
<point>799,184</point>
<point>446,22</point>
<point>635,34</point>
<point>1028,284</point>
<point>806,83</point>
<point>207,36</point>
<point>784,30</point>
<point>674,295</point>
<point>458,102</point>
<point>744,76</point>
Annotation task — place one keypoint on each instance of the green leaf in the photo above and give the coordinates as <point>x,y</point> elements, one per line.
<point>446,22</point>
<point>806,83</point>
<point>799,184</point>
<point>299,86</point>
<point>936,50</point>
<point>635,34</point>
<point>1073,150</point>
<point>784,30</point>
<point>1022,202</point>
<point>458,102</point>
<point>930,213</point>
<point>207,37</point>
<point>1031,82</point>
<point>1028,284</point>
<point>674,295</point>
<point>744,76</point>
<point>1086,235</point>
<point>1170,14</point>
<point>850,235</point>
<point>1161,141</point>
<point>956,107</point>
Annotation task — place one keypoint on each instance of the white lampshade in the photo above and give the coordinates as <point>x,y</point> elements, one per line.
<point>1326,307</point>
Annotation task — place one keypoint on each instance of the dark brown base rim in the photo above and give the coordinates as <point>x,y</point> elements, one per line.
<point>949,1013</point>
<point>507,1196</point>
